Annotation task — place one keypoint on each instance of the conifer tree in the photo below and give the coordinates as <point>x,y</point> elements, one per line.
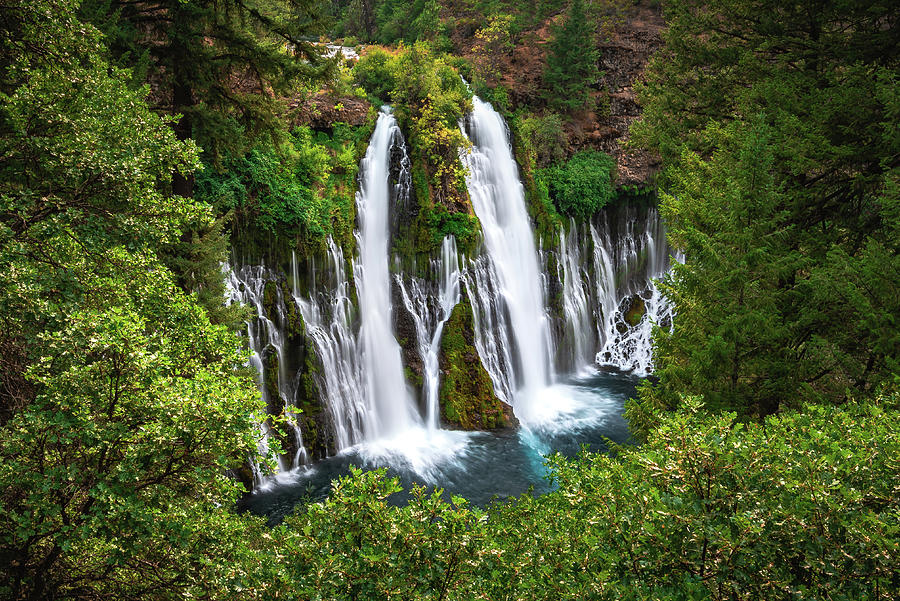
<point>792,236</point>
<point>572,61</point>
<point>220,65</point>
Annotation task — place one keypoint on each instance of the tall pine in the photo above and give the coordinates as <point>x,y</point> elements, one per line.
<point>778,125</point>
<point>220,65</point>
<point>572,61</point>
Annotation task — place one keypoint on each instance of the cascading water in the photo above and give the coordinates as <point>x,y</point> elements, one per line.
<point>430,318</point>
<point>362,379</point>
<point>622,300</point>
<point>578,342</point>
<point>511,268</point>
<point>594,304</point>
<point>391,408</point>
<point>329,325</point>
<point>267,336</point>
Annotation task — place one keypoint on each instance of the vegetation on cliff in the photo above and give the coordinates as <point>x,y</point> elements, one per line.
<point>429,100</point>
<point>466,395</point>
<point>292,195</point>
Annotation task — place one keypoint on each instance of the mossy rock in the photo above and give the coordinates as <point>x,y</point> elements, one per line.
<point>294,327</point>
<point>636,311</point>
<point>270,300</point>
<point>466,395</point>
<point>270,379</point>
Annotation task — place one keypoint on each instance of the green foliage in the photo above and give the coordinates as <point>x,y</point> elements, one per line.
<point>572,61</point>
<point>358,546</point>
<point>131,406</point>
<point>303,189</point>
<point>543,139</point>
<point>429,99</point>
<point>375,72</point>
<point>463,226</point>
<point>196,263</point>
<point>804,505</point>
<point>786,211</point>
<point>492,40</point>
<point>195,50</point>
<point>583,185</point>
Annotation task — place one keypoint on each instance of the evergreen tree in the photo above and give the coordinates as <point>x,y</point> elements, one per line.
<point>778,125</point>
<point>572,61</point>
<point>219,65</point>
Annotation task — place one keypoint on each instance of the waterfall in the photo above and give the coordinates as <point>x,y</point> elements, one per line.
<point>247,286</point>
<point>629,252</point>
<point>430,317</point>
<point>391,407</point>
<point>492,330</point>
<point>329,325</point>
<point>598,290</point>
<point>578,343</point>
<point>511,265</point>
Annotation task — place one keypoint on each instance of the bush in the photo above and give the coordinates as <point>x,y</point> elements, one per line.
<point>583,185</point>
<point>301,188</point>
<point>803,506</point>
<point>374,71</point>
<point>543,138</point>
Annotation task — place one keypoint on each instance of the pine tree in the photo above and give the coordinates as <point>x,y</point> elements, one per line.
<point>220,65</point>
<point>792,238</point>
<point>572,61</point>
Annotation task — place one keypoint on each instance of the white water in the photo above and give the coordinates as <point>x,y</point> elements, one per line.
<point>329,324</point>
<point>627,256</point>
<point>247,286</point>
<point>578,339</point>
<point>370,406</point>
<point>510,270</point>
<point>391,407</point>
<point>430,318</point>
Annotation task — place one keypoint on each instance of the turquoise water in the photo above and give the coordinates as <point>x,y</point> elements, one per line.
<point>480,466</point>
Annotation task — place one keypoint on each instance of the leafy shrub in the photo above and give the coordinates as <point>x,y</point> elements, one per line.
<point>543,138</point>
<point>375,72</point>
<point>302,188</point>
<point>804,505</point>
<point>583,185</point>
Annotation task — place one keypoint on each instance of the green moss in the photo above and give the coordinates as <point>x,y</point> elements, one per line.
<point>294,326</point>
<point>467,394</point>
<point>636,311</point>
<point>270,371</point>
<point>270,299</point>
<point>412,377</point>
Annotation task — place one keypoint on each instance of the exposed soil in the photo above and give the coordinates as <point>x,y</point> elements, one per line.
<point>324,109</point>
<point>623,60</point>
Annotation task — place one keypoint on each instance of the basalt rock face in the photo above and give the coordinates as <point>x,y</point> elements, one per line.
<point>298,361</point>
<point>323,110</point>
<point>405,329</point>
<point>467,397</point>
<point>623,60</point>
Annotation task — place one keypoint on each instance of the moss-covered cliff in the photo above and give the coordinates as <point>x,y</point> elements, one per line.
<point>467,396</point>
<point>301,365</point>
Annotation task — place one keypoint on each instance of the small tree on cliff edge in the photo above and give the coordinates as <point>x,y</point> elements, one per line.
<point>571,61</point>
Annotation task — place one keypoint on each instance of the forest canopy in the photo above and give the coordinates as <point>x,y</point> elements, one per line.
<point>135,136</point>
